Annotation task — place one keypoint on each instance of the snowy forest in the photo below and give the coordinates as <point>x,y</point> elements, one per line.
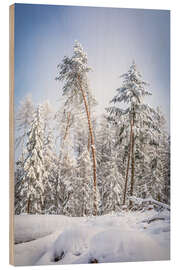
<point>76,163</point>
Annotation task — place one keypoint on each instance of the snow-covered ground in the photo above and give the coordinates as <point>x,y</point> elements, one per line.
<point>128,236</point>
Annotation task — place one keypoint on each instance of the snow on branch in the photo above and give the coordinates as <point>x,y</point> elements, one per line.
<point>116,111</point>
<point>150,200</point>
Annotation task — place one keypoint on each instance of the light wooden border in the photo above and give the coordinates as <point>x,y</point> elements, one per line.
<point>11,134</point>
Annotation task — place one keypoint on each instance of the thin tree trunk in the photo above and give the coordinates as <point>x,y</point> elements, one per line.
<point>89,139</point>
<point>132,163</point>
<point>83,204</point>
<point>92,144</point>
<point>67,126</point>
<point>132,167</point>
<point>28,204</point>
<point>128,163</point>
<point>88,143</point>
<point>43,205</point>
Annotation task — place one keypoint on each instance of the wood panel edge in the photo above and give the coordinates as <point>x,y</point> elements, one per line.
<point>11,133</point>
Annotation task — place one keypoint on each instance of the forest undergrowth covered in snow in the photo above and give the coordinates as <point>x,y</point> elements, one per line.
<point>88,188</point>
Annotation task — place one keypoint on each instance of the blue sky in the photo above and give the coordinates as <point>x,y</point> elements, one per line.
<point>112,38</point>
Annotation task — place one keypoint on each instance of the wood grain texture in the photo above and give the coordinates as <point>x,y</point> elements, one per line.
<point>11,134</point>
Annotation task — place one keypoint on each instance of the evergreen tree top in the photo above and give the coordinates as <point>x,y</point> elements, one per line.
<point>73,72</point>
<point>72,67</point>
<point>133,88</point>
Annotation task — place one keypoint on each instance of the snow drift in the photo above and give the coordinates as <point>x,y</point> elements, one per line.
<point>109,238</point>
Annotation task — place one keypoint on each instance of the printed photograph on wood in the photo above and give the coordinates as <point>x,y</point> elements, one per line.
<point>91,176</point>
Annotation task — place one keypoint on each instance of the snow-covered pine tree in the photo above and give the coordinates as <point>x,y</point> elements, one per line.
<point>31,186</point>
<point>84,184</point>
<point>122,146</point>
<point>62,127</point>
<point>132,94</point>
<point>164,150</point>
<point>104,146</point>
<point>152,162</point>
<point>73,71</point>
<point>19,172</point>
<point>23,120</point>
<point>112,188</point>
<point>160,161</point>
<point>166,164</point>
<point>51,175</point>
<point>50,161</point>
<point>66,165</point>
<point>66,186</point>
<point>80,127</point>
<point>47,115</point>
<point>149,143</point>
<point>110,179</point>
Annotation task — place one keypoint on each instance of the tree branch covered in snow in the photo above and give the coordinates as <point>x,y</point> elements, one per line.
<point>149,200</point>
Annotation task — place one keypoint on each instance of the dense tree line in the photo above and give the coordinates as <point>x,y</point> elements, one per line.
<point>74,164</point>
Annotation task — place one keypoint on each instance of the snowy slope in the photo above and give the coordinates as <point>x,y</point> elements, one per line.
<point>111,238</point>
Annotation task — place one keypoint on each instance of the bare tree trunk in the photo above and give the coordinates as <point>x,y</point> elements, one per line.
<point>132,167</point>
<point>89,139</point>
<point>67,126</point>
<point>127,169</point>
<point>88,143</point>
<point>132,163</point>
<point>28,204</point>
<point>43,205</point>
<point>92,144</point>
